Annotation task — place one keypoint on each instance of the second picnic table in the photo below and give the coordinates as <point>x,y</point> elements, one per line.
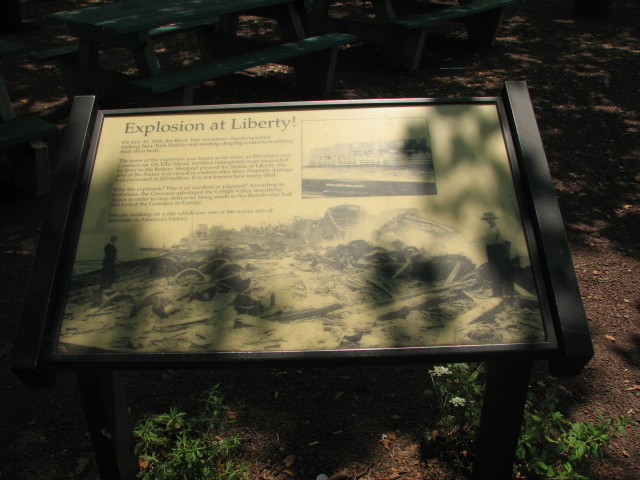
<point>400,26</point>
<point>133,24</point>
<point>29,167</point>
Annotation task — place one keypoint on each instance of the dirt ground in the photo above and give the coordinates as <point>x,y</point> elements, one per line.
<point>301,422</point>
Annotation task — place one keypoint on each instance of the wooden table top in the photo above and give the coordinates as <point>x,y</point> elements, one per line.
<point>139,15</point>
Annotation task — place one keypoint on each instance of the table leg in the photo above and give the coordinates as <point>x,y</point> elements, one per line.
<point>289,21</point>
<point>315,18</point>
<point>483,27</point>
<point>384,10</point>
<point>404,48</point>
<point>71,77</point>
<point>146,59</point>
<point>394,45</point>
<point>315,72</point>
<point>88,59</point>
<point>6,107</point>
<point>219,42</point>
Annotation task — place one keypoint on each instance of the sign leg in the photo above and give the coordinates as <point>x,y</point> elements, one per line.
<point>109,423</point>
<point>502,412</point>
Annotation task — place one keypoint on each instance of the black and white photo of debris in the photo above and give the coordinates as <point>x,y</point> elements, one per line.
<point>346,279</point>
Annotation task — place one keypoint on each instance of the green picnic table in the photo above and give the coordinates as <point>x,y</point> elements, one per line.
<point>20,138</point>
<point>133,25</point>
<point>400,26</point>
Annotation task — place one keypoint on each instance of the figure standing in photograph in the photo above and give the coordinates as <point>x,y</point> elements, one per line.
<point>501,271</point>
<point>108,274</point>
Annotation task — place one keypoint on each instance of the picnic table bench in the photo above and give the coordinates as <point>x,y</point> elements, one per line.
<point>66,56</point>
<point>21,138</point>
<point>317,76</point>
<point>400,26</point>
<point>215,23</point>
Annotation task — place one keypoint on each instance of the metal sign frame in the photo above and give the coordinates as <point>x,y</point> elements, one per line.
<point>567,344</point>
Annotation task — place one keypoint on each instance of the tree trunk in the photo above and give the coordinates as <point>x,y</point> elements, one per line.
<point>593,8</point>
<point>10,18</point>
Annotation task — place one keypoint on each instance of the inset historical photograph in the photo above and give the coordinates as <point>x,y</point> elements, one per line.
<point>366,158</point>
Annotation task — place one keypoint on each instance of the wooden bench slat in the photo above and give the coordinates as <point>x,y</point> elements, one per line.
<point>22,130</point>
<point>168,81</point>
<point>66,51</point>
<point>449,13</point>
<point>10,49</point>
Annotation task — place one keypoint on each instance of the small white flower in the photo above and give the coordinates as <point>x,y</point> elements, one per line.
<point>457,401</point>
<point>439,371</point>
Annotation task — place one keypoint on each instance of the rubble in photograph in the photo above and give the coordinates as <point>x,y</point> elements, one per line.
<point>346,280</point>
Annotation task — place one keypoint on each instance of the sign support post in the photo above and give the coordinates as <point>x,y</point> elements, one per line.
<point>505,393</point>
<point>109,423</point>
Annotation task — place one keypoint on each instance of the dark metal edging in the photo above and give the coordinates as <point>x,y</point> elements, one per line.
<point>33,331</point>
<point>576,348</point>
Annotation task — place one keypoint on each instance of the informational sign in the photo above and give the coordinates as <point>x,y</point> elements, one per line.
<point>302,229</point>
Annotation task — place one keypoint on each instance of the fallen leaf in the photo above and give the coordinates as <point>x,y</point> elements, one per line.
<point>385,442</point>
<point>392,436</point>
<point>409,452</point>
<point>289,459</point>
<point>338,395</point>
<point>432,461</point>
<point>82,463</point>
<point>635,387</point>
<point>610,337</point>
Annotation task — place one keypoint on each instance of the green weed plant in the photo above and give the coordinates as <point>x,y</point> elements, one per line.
<point>550,447</point>
<point>178,446</point>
